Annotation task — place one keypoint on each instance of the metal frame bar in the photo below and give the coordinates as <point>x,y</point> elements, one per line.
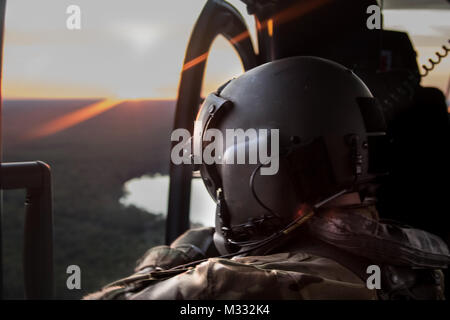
<point>217,18</point>
<point>2,27</point>
<point>35,177</point>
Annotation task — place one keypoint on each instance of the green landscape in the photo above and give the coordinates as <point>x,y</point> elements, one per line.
<point>90,162</point>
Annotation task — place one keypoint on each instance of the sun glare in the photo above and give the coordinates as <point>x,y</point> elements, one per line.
<point>71,119</point>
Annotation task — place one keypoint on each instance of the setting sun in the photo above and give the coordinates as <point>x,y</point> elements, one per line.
<point>131,51</point>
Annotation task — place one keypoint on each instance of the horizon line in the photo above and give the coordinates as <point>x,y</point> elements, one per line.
<point>84,99</point>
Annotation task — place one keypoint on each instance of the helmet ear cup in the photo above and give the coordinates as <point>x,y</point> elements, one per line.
<point>310,170</point>
<point>249,194</point>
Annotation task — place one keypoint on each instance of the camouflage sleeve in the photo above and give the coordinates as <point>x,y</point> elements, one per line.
<point>161,258</point>
<point>194,244</point>
<point>155,259</point>
<point>280,276</point>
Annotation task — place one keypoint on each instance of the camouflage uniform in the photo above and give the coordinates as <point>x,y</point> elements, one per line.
<point>290,275</point>
<point>291,271</point>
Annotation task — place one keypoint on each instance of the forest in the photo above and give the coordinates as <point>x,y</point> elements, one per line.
<point>90,162</point>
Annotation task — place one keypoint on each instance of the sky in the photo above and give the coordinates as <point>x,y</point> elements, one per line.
<point>135,49</point>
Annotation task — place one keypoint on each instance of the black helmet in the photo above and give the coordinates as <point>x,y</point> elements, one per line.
<point>323,117</point>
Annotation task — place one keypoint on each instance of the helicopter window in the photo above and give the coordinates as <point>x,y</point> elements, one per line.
<point>428,37</point>
<point>97,104</point>
<point>221,52</point>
